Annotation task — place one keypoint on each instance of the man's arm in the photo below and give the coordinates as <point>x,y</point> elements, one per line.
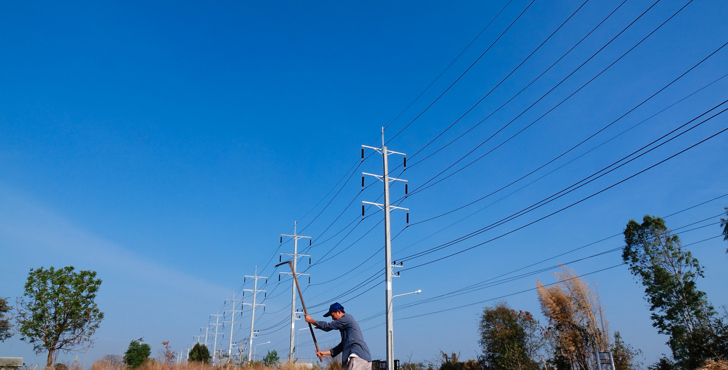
<point>325,326</point>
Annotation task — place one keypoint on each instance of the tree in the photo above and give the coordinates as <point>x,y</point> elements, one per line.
<point>669,274</point>
<point>136,354</point>
<point>58,312</point>
<point>577,326</point>
<point>167,354</point>
<point>625,357</point>
<point>271,358</point>
<point>509,339</point>
<point>200,353</point>
<point>5,326</point>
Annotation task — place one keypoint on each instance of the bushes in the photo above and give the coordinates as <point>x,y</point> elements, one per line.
<point>136,354</point>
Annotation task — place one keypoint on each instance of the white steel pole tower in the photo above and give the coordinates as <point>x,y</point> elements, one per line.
<point>232,324</point>
<point>206,332</point>
<point>295,257</point>
<point>214,346</point>
<point>386,207</point>
<point>253,305</point>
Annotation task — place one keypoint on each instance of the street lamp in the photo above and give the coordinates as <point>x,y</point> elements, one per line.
<point>415,292</point>
<point>298,336</point>
<point>256,346</point>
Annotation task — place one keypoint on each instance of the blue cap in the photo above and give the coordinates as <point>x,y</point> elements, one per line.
<point>333,308</point>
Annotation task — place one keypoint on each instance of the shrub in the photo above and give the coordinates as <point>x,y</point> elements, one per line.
<point>136,354</point>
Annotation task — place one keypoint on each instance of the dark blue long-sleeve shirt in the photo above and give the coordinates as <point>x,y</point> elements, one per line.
<point>352,340</point>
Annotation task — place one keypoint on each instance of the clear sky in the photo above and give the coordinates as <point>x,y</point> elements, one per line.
<point>167,145</point>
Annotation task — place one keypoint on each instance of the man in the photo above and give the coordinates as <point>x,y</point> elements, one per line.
<point>354,351</point>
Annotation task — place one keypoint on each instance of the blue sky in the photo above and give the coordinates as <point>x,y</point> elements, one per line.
<point>168,145</point>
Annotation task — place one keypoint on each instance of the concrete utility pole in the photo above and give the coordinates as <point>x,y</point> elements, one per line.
<point>232,324</point>
<point>214,346</point>
<point>294,258</point>
<point>253,305</point>
<point>206,332</point>
<point>386,207</point>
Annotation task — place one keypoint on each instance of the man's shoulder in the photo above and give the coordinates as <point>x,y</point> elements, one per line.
<point>349,318</point>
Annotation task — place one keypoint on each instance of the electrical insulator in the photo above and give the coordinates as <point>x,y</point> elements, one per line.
<point>244,280</point>
<point>397,273</point>
<point>265,294</point>
<point>309,260</point>
<point>279,258</point>
<point>407,217</point>
<point>266,281</point>
<point>279,278</point>
<point>362,153</point>
<point>281,240</point>
<point>309,242</point>
<point>309,280</point>
<point>405,161</point>
<point>406,188</point>
<point>362,181</point>
<point>362,211</point>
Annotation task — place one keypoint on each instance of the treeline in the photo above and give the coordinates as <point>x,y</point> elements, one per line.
<point>577,329</point>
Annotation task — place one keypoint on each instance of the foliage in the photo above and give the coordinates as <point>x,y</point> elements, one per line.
<point>669,274</point>
<point>663,363</point>
<point>167,355</point>
<point>271,358</point>
<point>509,339</point>
<point>5,327</point>
<point>200,353</point>
<point>452,363</point>
<point>58,312</point>
<point>136,354</point>
<point>577,326</point>
<point>625,357</point>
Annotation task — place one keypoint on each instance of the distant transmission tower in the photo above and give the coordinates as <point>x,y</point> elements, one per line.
<point>294,256</point>
<point>253,305</point>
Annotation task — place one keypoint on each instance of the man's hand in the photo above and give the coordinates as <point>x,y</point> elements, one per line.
<point>310,319</point>
<point>322,354</point>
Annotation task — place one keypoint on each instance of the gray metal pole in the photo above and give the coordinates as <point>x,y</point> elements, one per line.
<point>386,207</point>
<point>294,257</point>
<point>253,305</point>
<point>214,346</point>
<point>206,333</point>
<point>293,292</point>
<point>252,316</point>
<point>232,325</point>
<point>388,262</point>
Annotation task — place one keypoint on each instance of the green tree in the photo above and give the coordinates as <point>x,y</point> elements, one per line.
<point>509,339</point>
<point>200,353</point>
<point>669,274</point>
<point>58,312</point>
<point>136,354</point>
<point>271,358</point>
<point>5,326</point>
<point>625,357</point>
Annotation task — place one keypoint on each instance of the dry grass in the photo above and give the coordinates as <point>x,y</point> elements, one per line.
<point>110,363</point>
<point>576,315</point>
<point>715,365</point>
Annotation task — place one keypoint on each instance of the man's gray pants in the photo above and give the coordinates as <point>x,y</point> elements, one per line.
<point>357,363</point>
